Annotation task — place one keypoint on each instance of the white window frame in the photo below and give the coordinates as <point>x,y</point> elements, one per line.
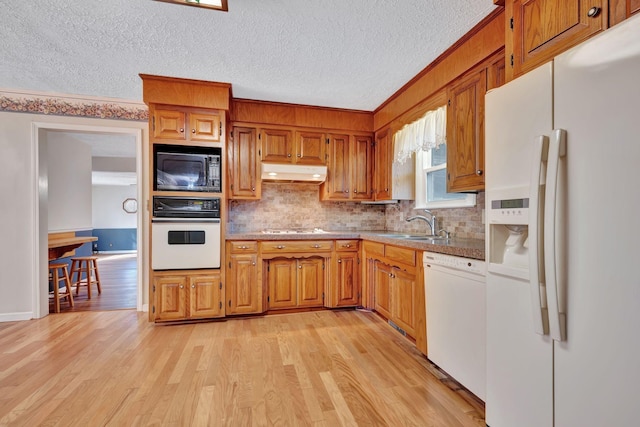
<point>421,186</point>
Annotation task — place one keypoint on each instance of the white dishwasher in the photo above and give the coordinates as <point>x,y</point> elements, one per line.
<point>456,318</point>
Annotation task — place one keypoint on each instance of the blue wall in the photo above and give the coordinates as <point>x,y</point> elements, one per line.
<point>115,239</point>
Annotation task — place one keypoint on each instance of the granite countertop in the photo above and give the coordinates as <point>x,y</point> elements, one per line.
<point>468,248</point>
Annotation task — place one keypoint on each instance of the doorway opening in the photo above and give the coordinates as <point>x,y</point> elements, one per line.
<point>89,184</point>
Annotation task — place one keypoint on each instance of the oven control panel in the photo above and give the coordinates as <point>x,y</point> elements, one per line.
<point>186,207</point>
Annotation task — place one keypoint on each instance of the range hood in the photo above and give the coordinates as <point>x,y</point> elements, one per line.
<point>293,173</point>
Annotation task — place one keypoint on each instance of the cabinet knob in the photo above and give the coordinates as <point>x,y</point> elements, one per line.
<point>355,191</point>
<point>339,261</point>
<point>593,12</point>
<point>253,188</point>
<point>289,155</point>
<point>193,131</point>
<point>347,191</point>
<point>300,267</point>
<point>280,247</point>
<point>479,172</point>
<point>181,286</point>
<point>299,155</point>
<point>253,263</point>
<point>244,247</point>
<point>193,286</point>
<point>181,130</point>
<point>386,190</point>
<point>316,246</point>
<point>348,245</point>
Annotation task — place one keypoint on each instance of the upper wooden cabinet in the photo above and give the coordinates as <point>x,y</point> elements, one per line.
<point>465,133</point>
<point>244,179</point>
<point>293,146</point>
<point>277,145</point>
<point>383,159</point>
<point>538,30</point>
<point>170,123</point>
<point>619,10</point>
<point>310,148</point>
<point>350,168</point>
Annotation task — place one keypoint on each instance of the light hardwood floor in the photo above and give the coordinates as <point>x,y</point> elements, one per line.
<point>324,368</point>
<point>119,282</point>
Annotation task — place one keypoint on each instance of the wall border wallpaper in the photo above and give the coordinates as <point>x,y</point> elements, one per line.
<point>65,105</point>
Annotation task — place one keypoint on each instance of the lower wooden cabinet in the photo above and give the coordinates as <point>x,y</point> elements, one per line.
<point>395,296</point>
<point>244,284</point>
<point>344,288</point>
<point>295,283</point>
<point>192,294</point>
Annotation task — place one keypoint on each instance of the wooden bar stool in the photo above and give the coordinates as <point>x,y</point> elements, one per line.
<point>89,266</point>
<point>58,272</point>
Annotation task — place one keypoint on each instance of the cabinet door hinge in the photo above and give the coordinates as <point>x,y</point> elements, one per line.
<point>449,103</point>
<point>229,303</point>
<point>259,136</point>
<point>448,176</point>
<point>231,187</point>
<point>260,153</point>
<point>220,285</point>
<point>220,129</point>
<point>220,305</point>
<point>268,298</point>
<point>358,260</point>
<point>323,295</point>
<point>229,264</point>
<point>154,288</point>
<point>512,59</point>
<point>268,266</point>
<point>511,23</point>
<point>323,265</point>
<point>327,140</point>
<point>153,309</point>
<point>153,123</point>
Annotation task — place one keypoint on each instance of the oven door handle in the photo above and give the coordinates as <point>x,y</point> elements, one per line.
<point>185,220</point>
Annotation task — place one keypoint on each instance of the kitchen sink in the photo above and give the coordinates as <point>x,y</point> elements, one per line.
<point>421,237</point>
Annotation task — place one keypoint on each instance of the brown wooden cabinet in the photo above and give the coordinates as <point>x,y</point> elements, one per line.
<point>243,287</point>
<point>538,30</point>
<point>619,10</point>
<point>244,175</point>
<point>395,295</point>
<point>171,123</point>
<point>295,283</point>
<point>344,289</point>
<point>350,168</point>
<point>393,286</point>
<point>465,133</point>
<point>310,148</point>
<point>382,289</point>
<point>382,166</point>
<point>187,294</point>
<point>289,145</point>
<point>296,272</point>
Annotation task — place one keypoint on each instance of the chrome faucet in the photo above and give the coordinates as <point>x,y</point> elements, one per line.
<point>433,222</point>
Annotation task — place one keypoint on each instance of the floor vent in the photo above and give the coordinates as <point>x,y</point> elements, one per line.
<point>397,328</point>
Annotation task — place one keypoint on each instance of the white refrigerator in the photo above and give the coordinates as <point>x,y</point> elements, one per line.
<point>563,239</point>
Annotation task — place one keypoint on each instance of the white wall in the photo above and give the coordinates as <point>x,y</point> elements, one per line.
<point>107,206</point>
<point>23,254</point>
<point>69,183</point>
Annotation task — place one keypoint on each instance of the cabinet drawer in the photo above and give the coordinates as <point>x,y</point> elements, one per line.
<point>346,245</point>
<point>403,255</point>
<point>374,248</point>
<point>297,246</point>
<point>242,247</point>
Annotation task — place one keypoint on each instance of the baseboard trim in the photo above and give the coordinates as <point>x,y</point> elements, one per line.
<point>14,317</point>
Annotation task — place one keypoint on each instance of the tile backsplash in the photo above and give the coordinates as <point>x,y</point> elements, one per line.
<point>460,222</point>
<point>298,206</point>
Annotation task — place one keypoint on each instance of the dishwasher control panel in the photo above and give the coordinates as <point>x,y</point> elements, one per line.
<point>469,265</point>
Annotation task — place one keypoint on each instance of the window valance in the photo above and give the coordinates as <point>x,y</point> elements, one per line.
<point>426,133</point>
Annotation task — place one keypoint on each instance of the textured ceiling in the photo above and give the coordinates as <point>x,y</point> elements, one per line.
<point>339,53</point>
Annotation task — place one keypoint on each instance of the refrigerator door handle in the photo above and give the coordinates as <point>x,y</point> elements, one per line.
<point>536,270</point>
<point>552,239</point>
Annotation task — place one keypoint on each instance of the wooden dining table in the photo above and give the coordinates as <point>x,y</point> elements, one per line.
<point>63,244</point>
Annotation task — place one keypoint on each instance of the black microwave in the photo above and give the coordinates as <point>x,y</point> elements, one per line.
<point>181,168</point>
